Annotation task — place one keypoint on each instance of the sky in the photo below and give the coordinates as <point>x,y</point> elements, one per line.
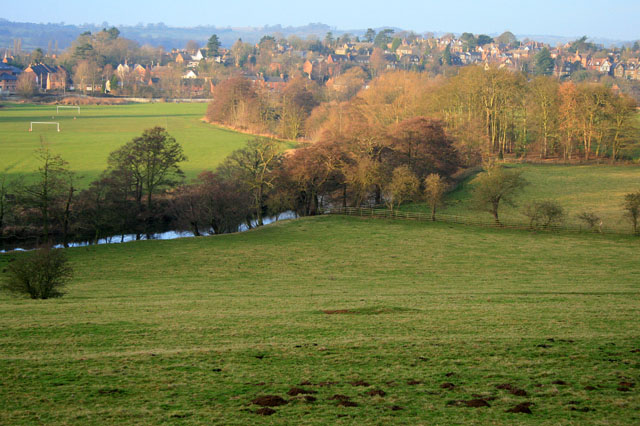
<point>613,19</point>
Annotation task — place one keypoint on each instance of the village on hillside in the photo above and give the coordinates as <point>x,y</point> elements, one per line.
<point>104,63</point>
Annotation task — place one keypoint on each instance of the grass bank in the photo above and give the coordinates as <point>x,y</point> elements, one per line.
<point>192,331</point>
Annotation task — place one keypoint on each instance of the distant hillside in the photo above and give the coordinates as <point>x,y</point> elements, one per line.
<point>40,35</point>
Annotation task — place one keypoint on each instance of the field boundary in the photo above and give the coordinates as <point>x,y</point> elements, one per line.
<point>383,213</point>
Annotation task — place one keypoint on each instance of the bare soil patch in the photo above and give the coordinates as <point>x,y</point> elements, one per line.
<point>265,411</point>
<point>269,401</point>
<point>377,392</point>
<point>360,383</point>
<point>512,389</point>
<point>523,407</point>
<point>447,385</point>
<point>299,391</point>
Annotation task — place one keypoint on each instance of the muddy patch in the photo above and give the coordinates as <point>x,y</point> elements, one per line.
<point>360,383</point>
<point>300,391</point>
<point>413,382</point>
<point>269,401</point>
<point>395,408</point>
<point>447,385</point>
<point>589,388</point>
<point>559,382</point>
<point>265,411</point>
<point>512,389</point>
<point>338,397</point>
<point>347,404</point>
<point>523,407</point>
<point>377,392</point>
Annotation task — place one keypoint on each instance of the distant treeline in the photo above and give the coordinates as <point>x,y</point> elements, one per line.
<point>488,112</point>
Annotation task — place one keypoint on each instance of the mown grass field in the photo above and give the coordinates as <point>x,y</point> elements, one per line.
<point>98,130</point>
<point>191,331</point>
<point>597,188</point>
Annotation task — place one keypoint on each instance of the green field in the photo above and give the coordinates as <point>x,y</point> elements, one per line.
<point>191,331</point>
<point>600,189</point>
<point>87,141</point>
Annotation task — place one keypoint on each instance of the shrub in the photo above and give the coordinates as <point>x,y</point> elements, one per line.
<point>543,214</point>
<point>632,209</point>
<point>593,221</point>
<point>40,274</point>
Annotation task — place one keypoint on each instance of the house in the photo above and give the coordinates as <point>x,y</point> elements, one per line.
<point>190,74</point>
<point>44,76</point>
<point>198,56</point>
<point>275,83</point>
<point>618,70</point>
<point>8,83</point>
<point>9,69</point>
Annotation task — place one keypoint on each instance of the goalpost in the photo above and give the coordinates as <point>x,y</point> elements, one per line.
<point>66,106</point>
<point>57,124</point>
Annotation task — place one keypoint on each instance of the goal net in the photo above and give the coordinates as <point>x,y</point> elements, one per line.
<point>67,107</point>
<point>49,123</point>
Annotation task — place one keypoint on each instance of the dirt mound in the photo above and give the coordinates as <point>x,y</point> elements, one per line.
<point>413,382</point>
<point>306,383</point>
<point>521,408</point>
<point>627,384</point>
<point>559,382</point>
<point>347,404</point>
<point>338,397</point>
<point>269,401</point>
<point>300,391</point>
<point>377,392</point>
<point>473,403</point>
<point>449,374</point>
<point>325,384</point>
<point>308,398</point>
<point>396,408</point>
<point>447,385</point>
<point>360,383</point>
<point>589,388</point>
<point>512,389</point>
<point>338,312</point>
<point>624,389</point>
<point>265,411</point>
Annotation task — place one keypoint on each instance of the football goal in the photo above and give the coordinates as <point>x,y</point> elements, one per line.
<point>67,107</point>
<point>53,123</point>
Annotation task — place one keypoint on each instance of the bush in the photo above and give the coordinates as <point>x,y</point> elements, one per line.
<point>40,274</point>
<point>593,221</point>
<point>544,214</point>
<point>632,209</point>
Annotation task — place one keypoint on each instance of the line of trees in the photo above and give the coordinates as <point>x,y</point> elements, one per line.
<point>143,190</point>
<point>489,112</point>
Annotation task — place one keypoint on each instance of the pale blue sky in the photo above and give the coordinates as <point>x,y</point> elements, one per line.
<point>613,19</point>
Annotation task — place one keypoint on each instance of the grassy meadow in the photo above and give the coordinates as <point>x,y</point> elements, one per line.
<point>406,322</point>
<point>597,188</point>
<point>86,141</point>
